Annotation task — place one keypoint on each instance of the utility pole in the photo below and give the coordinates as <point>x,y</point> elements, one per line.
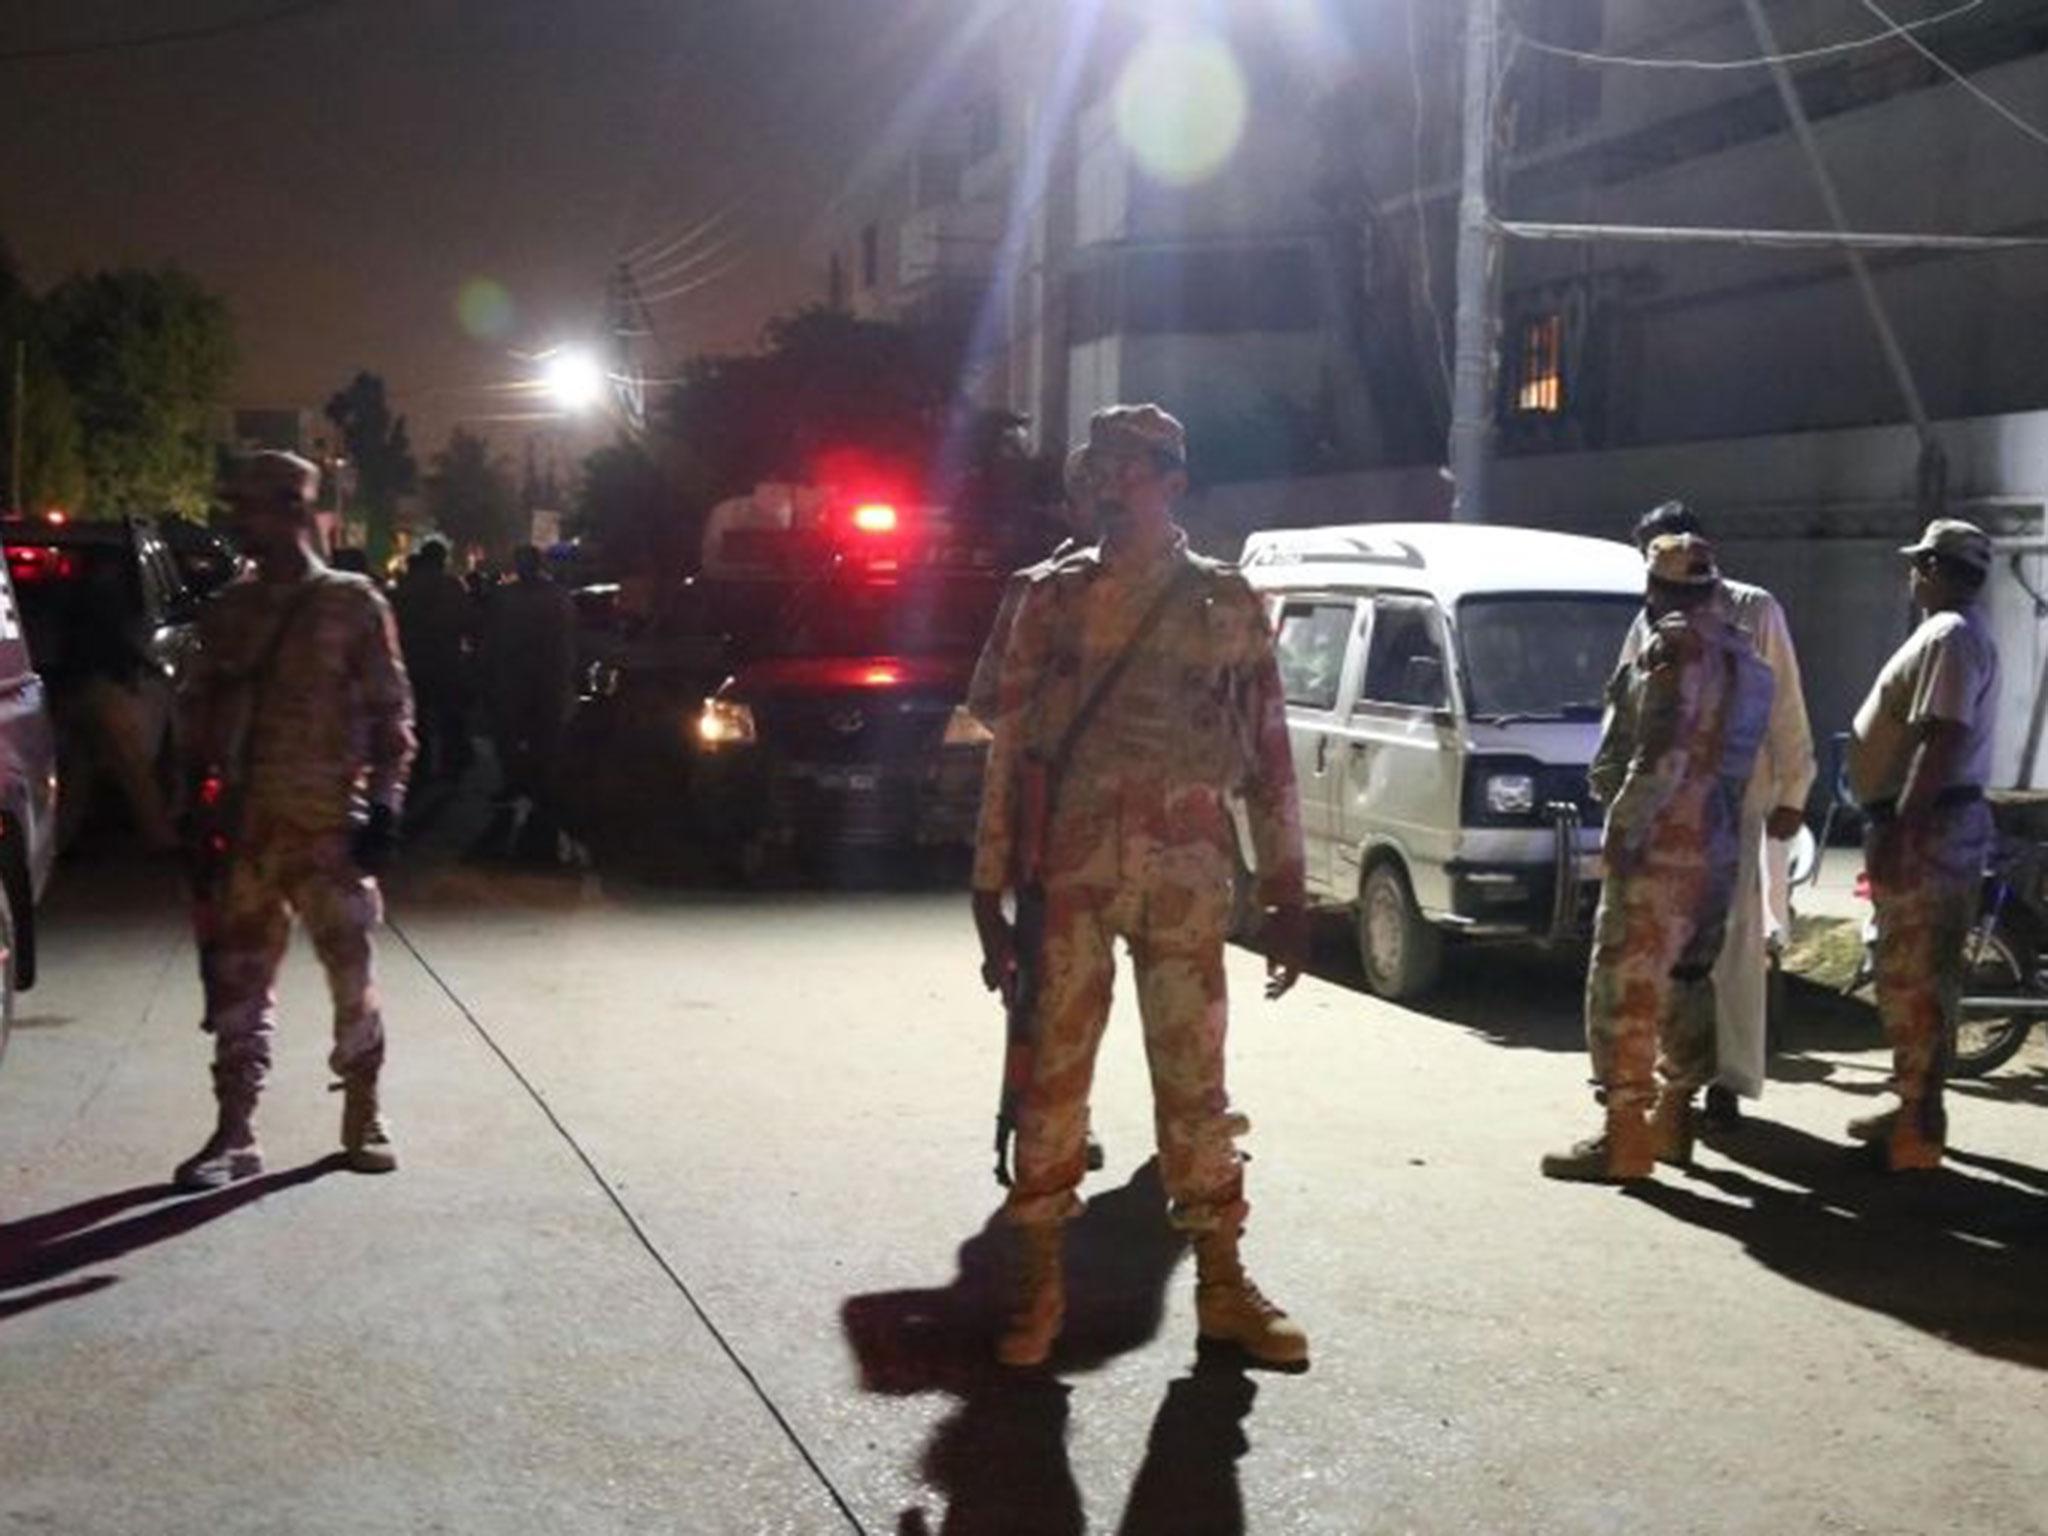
<point>1472,385</point>
<point>14,455</point>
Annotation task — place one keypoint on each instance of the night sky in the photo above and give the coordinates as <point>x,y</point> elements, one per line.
<point>341,174</point>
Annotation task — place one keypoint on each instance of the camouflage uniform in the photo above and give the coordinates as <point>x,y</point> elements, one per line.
<point>330,734</point>
<point>1927,872</point>
<point>1687,718</point>
<point>1140,846</point>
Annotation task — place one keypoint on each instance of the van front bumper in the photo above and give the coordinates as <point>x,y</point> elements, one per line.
<point>1534,883</point>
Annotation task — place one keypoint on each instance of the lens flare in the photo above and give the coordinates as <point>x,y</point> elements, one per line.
<point>484,308</point>
<point>573,380</point>
<point>1181,105</point>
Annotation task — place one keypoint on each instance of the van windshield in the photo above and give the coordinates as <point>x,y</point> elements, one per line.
<point>1541,656</point>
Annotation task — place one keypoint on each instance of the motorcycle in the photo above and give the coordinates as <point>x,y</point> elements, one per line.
<point>2005,975</point>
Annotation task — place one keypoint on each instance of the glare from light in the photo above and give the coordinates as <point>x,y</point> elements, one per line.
<point>1181,105</point>
<point>484,307</point>
<point>875,517</point>
<point>574,380</point>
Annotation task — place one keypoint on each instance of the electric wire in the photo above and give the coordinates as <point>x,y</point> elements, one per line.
<point>714,275</point>
<point>658,249</point>
<point>1905,33</point>
<point>193,34</point>
<point>640,1233</point>
<point>675,269</point>
<point>1759,61</point>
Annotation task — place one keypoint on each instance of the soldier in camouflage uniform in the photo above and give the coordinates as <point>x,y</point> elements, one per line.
<point>1919,758</point>
<point>1686,719</point>
<point>1138,844</point>
<point>299,721</point>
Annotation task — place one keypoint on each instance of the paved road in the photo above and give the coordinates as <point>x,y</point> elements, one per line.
<point>789,1093</point>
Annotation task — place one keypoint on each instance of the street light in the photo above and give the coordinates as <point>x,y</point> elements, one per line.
<point>573,379</point>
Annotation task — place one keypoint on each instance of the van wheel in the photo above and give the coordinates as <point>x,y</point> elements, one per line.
<point>1402,953</point>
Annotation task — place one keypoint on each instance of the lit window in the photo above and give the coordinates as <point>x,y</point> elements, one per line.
<point>1539,374</point>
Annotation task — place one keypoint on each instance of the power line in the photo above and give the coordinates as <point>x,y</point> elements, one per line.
<point>282,13</point>
<point>1760,61</point>
<point>1976,90</point>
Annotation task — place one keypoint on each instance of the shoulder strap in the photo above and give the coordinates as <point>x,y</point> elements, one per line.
<point>1112,674</point>
<point>266,666</point>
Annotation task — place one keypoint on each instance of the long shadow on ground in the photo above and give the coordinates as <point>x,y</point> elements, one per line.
<point>999,1463</point>
<point>1955,1256</point>
<point>52,1244</point>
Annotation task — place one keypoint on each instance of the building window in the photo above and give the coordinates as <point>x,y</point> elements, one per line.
<point>870,256</point>
<point>1539,366</point>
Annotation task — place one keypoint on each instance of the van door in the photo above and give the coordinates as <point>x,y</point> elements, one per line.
<point>1397,766</point>
<point>1312,638</point>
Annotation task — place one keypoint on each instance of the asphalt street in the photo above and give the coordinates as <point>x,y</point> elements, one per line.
<point>692,1234</point>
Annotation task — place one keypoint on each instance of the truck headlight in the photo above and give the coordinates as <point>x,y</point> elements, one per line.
<point>724,723</point>
<point>963,730</point>
<point>1511,794</point>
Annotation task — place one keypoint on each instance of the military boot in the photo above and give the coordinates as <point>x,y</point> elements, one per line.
<point>1671,1129</point>
<point>1039,1301</point>
<point>1911,1136</point>
<point>1624,1152</point>
<point>1230,1309</point>
<point>230,1153</point>
<point>365,1140</point>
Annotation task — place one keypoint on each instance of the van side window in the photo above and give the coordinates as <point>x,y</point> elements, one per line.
<point>1310,645</point>
<point>1405,664</point>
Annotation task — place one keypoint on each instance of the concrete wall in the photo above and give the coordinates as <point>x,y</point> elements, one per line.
<point>1817,518</point>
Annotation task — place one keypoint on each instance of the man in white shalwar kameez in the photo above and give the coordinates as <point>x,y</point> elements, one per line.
<point>1772,812</point>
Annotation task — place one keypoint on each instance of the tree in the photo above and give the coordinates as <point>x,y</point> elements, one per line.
<point>625,507</point>
<point>53,466</point>
<point>379,447</point>
<point>147,356</point>
<point>470,496</point>
<point>824,384</point>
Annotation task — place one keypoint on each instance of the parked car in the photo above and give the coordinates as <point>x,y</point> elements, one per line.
<point>1445,686</point>
<point>109,621</point>
<point>206,560</point>
<point>28,805</point>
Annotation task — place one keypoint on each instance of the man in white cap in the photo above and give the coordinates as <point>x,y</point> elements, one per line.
<point>1919,758</point>
<point>298,724</point>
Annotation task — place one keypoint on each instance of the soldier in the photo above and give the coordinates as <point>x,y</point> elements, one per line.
<point>1127,831</point>
<point>1919,757</point>
<point>298,721</point>
<point>1772,812</point>
<point>530,653</point>
<point>1685,721</point>
<point>433,622</point>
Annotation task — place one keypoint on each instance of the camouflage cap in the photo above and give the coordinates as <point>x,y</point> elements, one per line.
<point>1125,431</point>
<point>1682,560</point>
<point>1953,539</point>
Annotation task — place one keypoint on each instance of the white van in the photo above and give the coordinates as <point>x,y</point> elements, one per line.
<point>1445,685</point>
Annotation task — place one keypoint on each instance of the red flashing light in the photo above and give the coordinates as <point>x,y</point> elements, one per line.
<point>875,517</point>
<point>882,677</point>
<point>40,562</point>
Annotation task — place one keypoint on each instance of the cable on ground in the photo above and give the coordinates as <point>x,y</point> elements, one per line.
<point>640,1233</point>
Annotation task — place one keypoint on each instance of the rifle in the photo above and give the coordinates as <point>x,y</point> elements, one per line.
<point>1038,792</point>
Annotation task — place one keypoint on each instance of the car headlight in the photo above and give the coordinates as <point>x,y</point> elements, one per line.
<point>963,730</point>
<point>724,723</point>
<point>1511,794</point>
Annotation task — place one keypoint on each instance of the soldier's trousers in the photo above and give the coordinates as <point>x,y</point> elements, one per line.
<point>1649,987</point>
<point>1175,932</point>
<point>1924,908</point>
<point>242,931</point>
